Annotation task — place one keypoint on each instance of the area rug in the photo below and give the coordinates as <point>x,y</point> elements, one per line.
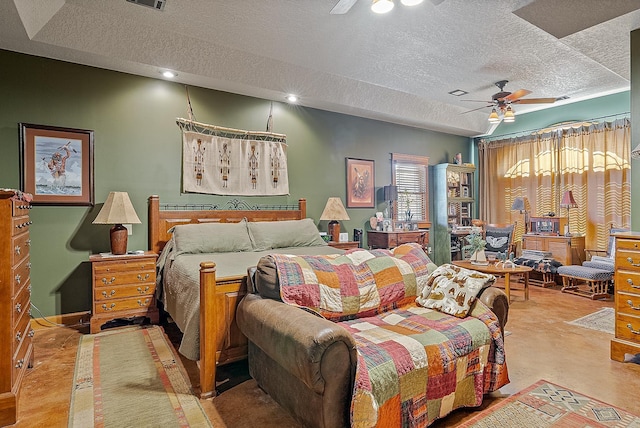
<point>132,377</point>
<point>545,404</point>
<point>602,320</point>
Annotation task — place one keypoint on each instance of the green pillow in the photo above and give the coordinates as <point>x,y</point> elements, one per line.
<point>212,238</point>
<point>267,235</point>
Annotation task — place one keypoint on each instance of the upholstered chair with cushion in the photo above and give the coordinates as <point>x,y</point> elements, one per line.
<point>499,239</point>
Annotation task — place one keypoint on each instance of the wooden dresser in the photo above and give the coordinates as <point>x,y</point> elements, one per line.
<point>627,295</point>
<point>123,287</point>
<point>16,349</point>
<point>568,250</point>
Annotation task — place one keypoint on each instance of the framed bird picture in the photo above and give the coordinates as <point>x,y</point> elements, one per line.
<point>360,183</point>
<point>56,164</point>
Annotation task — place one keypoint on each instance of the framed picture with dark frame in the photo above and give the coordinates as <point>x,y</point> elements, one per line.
<point>56,164</point>
<point>360,183</point>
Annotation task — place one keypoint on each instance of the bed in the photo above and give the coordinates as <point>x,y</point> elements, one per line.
<point>192,270</point>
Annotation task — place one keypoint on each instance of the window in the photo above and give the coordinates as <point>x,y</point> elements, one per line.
<point>410,174</point>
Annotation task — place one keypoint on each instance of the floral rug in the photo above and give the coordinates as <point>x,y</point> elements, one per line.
<point>602,320</point>
<point>132,377</point>
<point>545,404</point>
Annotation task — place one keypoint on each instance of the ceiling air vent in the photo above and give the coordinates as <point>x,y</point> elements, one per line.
<point>156,4</point>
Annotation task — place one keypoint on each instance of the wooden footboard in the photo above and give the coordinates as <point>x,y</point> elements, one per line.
<point>220,339</point>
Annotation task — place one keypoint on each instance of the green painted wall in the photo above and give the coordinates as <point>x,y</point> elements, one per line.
<point>138,150</point>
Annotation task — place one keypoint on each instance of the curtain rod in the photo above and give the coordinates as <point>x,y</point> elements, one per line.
<point>186,122</point>
<point>531,131</point>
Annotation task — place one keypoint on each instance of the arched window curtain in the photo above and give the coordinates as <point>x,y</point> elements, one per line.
<point>524,166</point>
<point>594,165</point>
<point>592,161</point>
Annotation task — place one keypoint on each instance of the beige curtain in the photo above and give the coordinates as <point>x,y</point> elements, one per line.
<point>592,161</point>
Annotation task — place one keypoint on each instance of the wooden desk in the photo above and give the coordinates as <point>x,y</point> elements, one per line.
<point>568,250</point>
<point>380,239</point>
<point>498,270</point>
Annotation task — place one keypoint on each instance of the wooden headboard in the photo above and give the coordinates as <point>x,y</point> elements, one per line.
<point>163,218</point>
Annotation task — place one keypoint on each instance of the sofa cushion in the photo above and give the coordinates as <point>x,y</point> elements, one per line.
<point>452,289</point>
<point>355,284</point>
<point>266,235</point>
<point>212,238</point>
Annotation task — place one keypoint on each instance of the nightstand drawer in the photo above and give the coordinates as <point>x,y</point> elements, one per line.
<point>628,304</point>
<point>111,293</point>
<point>114,278</point>
<point>628,281</point>
<point>125,266</point>
<point>627,327</point>
<point>114,306</point>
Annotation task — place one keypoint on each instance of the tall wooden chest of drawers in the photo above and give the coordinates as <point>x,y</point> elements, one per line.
<point>627,296</point>
<point>16,349</point>
<point>123,287</point>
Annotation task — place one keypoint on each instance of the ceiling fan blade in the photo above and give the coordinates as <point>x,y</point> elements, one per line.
<point>536,101</point>
<point>479,101</point>
<point>517,94</point>
<point>342,7</point>
<point>475,109</point>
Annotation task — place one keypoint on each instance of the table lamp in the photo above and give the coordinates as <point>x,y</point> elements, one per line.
<point>334,211</point>
<point>390,195</point>
<point>117,209</point>
<point>568,202</point>
<point>520,204</point>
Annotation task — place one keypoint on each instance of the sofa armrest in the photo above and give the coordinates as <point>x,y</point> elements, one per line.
<point>296,339</point>
<point>497,301</point>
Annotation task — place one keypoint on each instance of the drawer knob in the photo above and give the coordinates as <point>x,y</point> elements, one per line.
<point>18,336</point>
<point>113,292</point>
<point>17,250</point>
<point>18,307</point>
<point>141,291</point>
<point>630,282</point>
<point>143,304</point>
<point>28,242</point>
<point>635,308</point>
<point>630,260</point>
<point>630,327</point>
<point>143,278</point>
<point>20,363</point>
<point>18,279</point>
<point>104,306</point>
<point>29,265</point>
<point>106,281</point>
<point>32,333</point>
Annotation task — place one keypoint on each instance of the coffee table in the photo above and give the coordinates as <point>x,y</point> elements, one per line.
<point>499,270</point>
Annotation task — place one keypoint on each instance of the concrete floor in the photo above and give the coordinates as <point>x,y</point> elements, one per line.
<point>541,345</point>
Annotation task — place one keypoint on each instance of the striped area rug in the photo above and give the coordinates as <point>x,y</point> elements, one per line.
<point>131,377</point>
<point>545,404</point>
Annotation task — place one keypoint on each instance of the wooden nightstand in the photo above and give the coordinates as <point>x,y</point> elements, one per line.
<point>344,245</point>
<point>123,287</point>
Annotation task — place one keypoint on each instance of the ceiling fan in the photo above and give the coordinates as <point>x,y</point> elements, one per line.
<point>502,101</point>
<point>343,6</point>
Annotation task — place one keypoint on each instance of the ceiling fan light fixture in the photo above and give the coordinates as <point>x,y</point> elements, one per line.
<point>493,117</point>
<point>382,6</point>
<point>509,115</point>
<point>411,2</point>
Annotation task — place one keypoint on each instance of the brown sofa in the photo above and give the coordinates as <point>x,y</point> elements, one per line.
<point>304,362</point>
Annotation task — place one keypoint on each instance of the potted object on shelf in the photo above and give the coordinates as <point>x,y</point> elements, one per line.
<point>476,246</point>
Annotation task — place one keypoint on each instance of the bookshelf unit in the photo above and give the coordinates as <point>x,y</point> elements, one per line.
<point>454,206</point>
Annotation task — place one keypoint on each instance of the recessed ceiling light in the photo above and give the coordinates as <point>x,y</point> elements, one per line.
<point>292,98</point>
<point>168,74</point>
<point>458,92</point>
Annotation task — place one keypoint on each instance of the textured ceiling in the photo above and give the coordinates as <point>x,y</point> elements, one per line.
<point>397,67</point>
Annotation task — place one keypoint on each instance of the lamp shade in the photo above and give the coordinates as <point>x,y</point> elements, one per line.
<point>567,200</point>
<point>519,204</point>
<point>390,193</point>
<point>117,209</point>
<point>334,210</point>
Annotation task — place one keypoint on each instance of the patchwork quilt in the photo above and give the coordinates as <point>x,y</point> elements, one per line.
<point>416,365</point>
